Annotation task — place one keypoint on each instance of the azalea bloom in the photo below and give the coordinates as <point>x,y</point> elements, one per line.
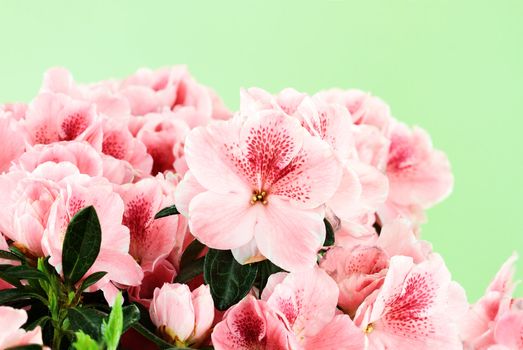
<point>269,178</point>
<point>183,318</point>
<point>77,192</point>
<point>164,272</point>
<point>417,307</point>
<point>252,325</point>
<point>12,131</point>
<point>481,323</point>
<point>11,332</point>
<point>307,302</point>
<point>419,176</point>
<point>151,239</point>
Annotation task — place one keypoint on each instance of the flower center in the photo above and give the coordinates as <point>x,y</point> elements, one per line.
<point>369,328</point>
<point>259,196</point>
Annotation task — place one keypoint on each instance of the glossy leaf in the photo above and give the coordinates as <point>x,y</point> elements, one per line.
<point>229,281</point>
<point>81,244</point>
<point>167,211</point>
<point>329,236</point>
<point>92,279</point>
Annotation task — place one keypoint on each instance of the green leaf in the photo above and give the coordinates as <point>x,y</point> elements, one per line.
<point>18,253</point>
<point>84,342</point>
<point>162,344</point>
<point>92,279</point>
<point>229,281</point>
<point>26,347</point>
<point>329,236</point>
<point>265,269</point>
<point>86,320</point>
<point>15,274</point>
<point>191,252</point>
<point>131,315</point>
<point>112,329</point>
<point>81,244</point>
<point>191,270</point>
<point>16,294</point>
<point>4,254</point>
<point>39,322</point>
<point>168,211</point>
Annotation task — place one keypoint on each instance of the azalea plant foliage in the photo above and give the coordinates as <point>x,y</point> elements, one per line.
<point>142,214</point>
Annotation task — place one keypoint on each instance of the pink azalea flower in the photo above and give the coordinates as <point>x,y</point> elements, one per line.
<point>364,108</point>
<point>183,318</point>
<point>509,330</point>
<point>80,191</point>
<point>419,176</point>
<point>478,327</point>
<point>417,307</point>
<point>151,240</point>
<point>56,117</point>
<point>119,143</point>
<point>264,179</point>
<point>164,272</point>
<point>15,111</point>
<point>11,150</point>
<point>307,302</point>
<point>26,202</point>
<point>163,135</point>
<point>80,154</point>
<point>11,332</point>
<point>4,246</point>
<point>252,325</point>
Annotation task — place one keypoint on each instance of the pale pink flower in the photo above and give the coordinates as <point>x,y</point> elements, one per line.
<point>183,318</point>
<point>15,111</point>
<point>509,330</point>
<point>269,178</point>
<point>417,307</point>
<point>119,143</point>
<point>56,117</point>
<point>419,176</point>
<point>163,135</point>
<point>103,94</point>
<point>26,202</point>
<point>307,301</point>
<point>80,154</point>
<point>80,191</point>
<point>14,145</point>
<point>151,239</point>
<point>4,246</point>
<point>478,327</point>
<point>364,108</point>
<point>164,272</point>
<point>252,325</point>
<point>11,332</point>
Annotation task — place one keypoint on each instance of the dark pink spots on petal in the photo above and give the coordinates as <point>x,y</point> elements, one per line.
<point>289,309</point>
<point>72,126</point>
<point>248,330</point>
<point>113,146</point>
<point>401,155</point>
<point>291,182</point>
<point>138,217</point>
<point>407,313</point>
<point>369,260</point>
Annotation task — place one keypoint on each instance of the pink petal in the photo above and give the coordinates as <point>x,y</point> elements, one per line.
<point>223,221</point>
<point>288,236</point>
<point>340,333</point>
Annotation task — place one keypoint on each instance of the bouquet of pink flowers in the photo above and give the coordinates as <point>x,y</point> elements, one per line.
<point>142,214</point>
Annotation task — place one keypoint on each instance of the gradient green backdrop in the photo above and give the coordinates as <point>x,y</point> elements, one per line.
<point>453,67</point>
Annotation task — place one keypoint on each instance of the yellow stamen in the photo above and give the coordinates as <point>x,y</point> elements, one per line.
<point>369,328</point>
<point>259,196</point>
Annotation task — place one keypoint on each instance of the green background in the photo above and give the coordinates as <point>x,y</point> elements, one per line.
<point>453,67</point>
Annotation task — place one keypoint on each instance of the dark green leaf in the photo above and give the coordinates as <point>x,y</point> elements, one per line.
<point>329,236</point>
<point>167,211</point>
<point>131,315</point>
<point>190,271</point>
<point>18,253</point>
<point>15,294</point>
<point>229,281</point>
<point>92,279</point>
<point>26,347</point>
<point>162,344</point>
<point>191,252</point>
<point>39,322</point>
<point>265,270</point>
<point>81,244</point>
<point>87,320</point>
<point>19,273</point>
<point>4,254</point>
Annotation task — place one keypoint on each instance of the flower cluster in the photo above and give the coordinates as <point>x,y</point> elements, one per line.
<point>293,223</point>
